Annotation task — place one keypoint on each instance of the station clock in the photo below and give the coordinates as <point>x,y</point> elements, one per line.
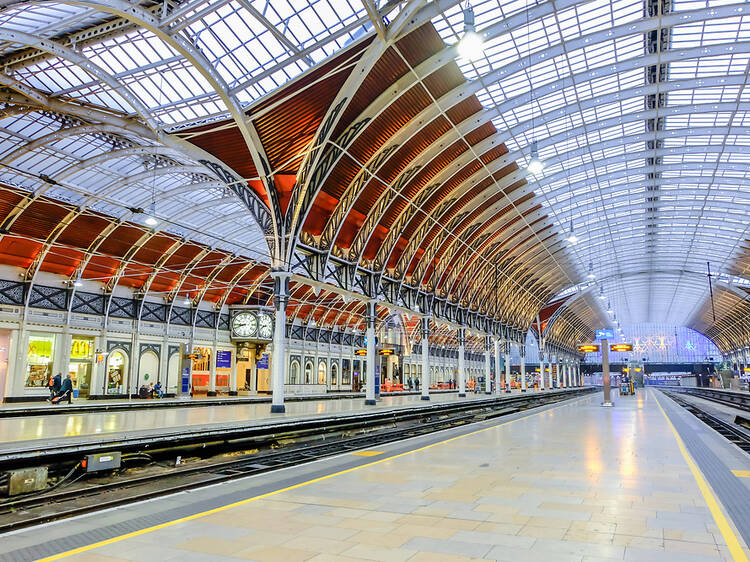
<point>265,326</point>
<point>252,325</point>
<point>245,325</point>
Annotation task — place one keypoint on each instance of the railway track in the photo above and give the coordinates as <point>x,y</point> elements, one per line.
<point>729,431</point>
<point>78,493</point>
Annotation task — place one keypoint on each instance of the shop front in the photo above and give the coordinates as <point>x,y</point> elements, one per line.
<point>201,371</point>
<point>40,360</point>
<point>117,367</point>
<point>81,365</point>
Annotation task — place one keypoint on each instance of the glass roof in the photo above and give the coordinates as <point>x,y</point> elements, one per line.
<point>652,172</point>
<point>655,187</point>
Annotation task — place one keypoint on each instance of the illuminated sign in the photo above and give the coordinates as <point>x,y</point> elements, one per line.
<point>386,352</point>
<point>747,369</point>
<point>588,348</point>
<point>621,347</point>
<point>638,369</point>
<point>625,370</point>
<point>360,352</point>
<point>605,334</point>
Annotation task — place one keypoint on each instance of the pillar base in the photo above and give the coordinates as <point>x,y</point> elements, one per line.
<point>607,404</point>
<point>424,397</point>
<point>233,393</point>
<point>462,395</point>
<point>370,402</point>
<point>211,393</point>
<point>488,392</point>
<point>523,390</point>
<point>278,408</point>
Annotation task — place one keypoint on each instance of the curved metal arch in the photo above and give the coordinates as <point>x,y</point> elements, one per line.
<point>443,207</point>
<point>317,171</point>
<point>197,59</point>
<point>532,252</point>
<point>209,279</point>
<point>447,204</point>
<point>186,272</point>
<point>510,229</point>
<point>498,216</point>
<point>146,150</point>
<point>393,191</point>
<point>233,282</point>
<point>451,233</point>
<point>60,134</point>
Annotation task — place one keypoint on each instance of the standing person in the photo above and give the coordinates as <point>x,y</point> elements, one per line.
<point>55,386</point>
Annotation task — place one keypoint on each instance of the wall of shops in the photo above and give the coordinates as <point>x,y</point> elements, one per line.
<point>141,343</point>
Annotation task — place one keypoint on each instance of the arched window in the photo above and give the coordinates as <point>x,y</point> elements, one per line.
<point>308,372</point>
<point>294,373</point>
<point>407,371</point>
<point>322,372</point>
<point>334,374</point>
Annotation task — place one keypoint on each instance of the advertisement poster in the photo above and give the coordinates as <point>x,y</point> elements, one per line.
<point>223,359</point>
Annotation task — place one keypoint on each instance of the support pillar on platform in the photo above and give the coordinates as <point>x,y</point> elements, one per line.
<point>425,358</point>
<point>487,366</point>
<point>507,366</point>
<point>278,362</point>
<point>522,351</point>
<point>541,371</point>
<point>461,362</point>
<point>371,318</point>
<point>498,367</point>
<point>558,372</point>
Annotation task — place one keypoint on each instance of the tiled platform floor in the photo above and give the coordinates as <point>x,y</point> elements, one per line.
<point>81,424</point>
<point>577,482</point>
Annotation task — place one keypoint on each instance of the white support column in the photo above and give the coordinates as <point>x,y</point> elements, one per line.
<point>461,362</point>
<point>541,371</point>
<point>558,372</point>
<point>507,366</point>
<point>567,375</point>
<point>212,372</point>
<point>425,358</point>
<point>371,357</point>
<point>498,365</point>
<point>487,366</point>
<point>278,361</point>
<point>522,351</point>
<point>550,361</point>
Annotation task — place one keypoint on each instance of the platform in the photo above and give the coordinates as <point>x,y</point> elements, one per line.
<point>74,428</point>
<point>568,482</point>
<point>23,409</point>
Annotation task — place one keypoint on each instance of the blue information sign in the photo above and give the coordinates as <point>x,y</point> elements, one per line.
<point>377,380</point>
<point>605,334</point>
<point>223,359</point>
<point>185,386</point>
<point>263,361</point>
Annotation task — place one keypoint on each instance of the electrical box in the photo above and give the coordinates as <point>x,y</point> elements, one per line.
<point>103,461</point>
<point>27,480</point>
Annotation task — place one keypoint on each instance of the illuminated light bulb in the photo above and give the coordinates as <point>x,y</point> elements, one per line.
<point>535,165</point>
<point>471,45</point>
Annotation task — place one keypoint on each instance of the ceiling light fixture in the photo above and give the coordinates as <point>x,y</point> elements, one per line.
<point>187,301</point>
<point>591,274</point>
<point>471,45</point>
<point>535,165</point>
<point>609,307</point>
<point>572,238</point>
<point>151,219</point>
<point>601,293</point>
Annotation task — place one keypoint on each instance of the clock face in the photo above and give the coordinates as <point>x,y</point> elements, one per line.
<point>245,325</point>
<point>265,326</point>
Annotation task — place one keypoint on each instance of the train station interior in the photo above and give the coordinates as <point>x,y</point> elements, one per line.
<point>397,280</point>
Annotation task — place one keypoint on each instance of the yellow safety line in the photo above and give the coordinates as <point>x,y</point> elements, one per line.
<point>713,504</point>
<point>368,453</point>
<point>741,473</point>
<point>119,538</point>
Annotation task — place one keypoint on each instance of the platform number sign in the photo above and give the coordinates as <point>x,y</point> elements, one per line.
<point>605,334</point>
